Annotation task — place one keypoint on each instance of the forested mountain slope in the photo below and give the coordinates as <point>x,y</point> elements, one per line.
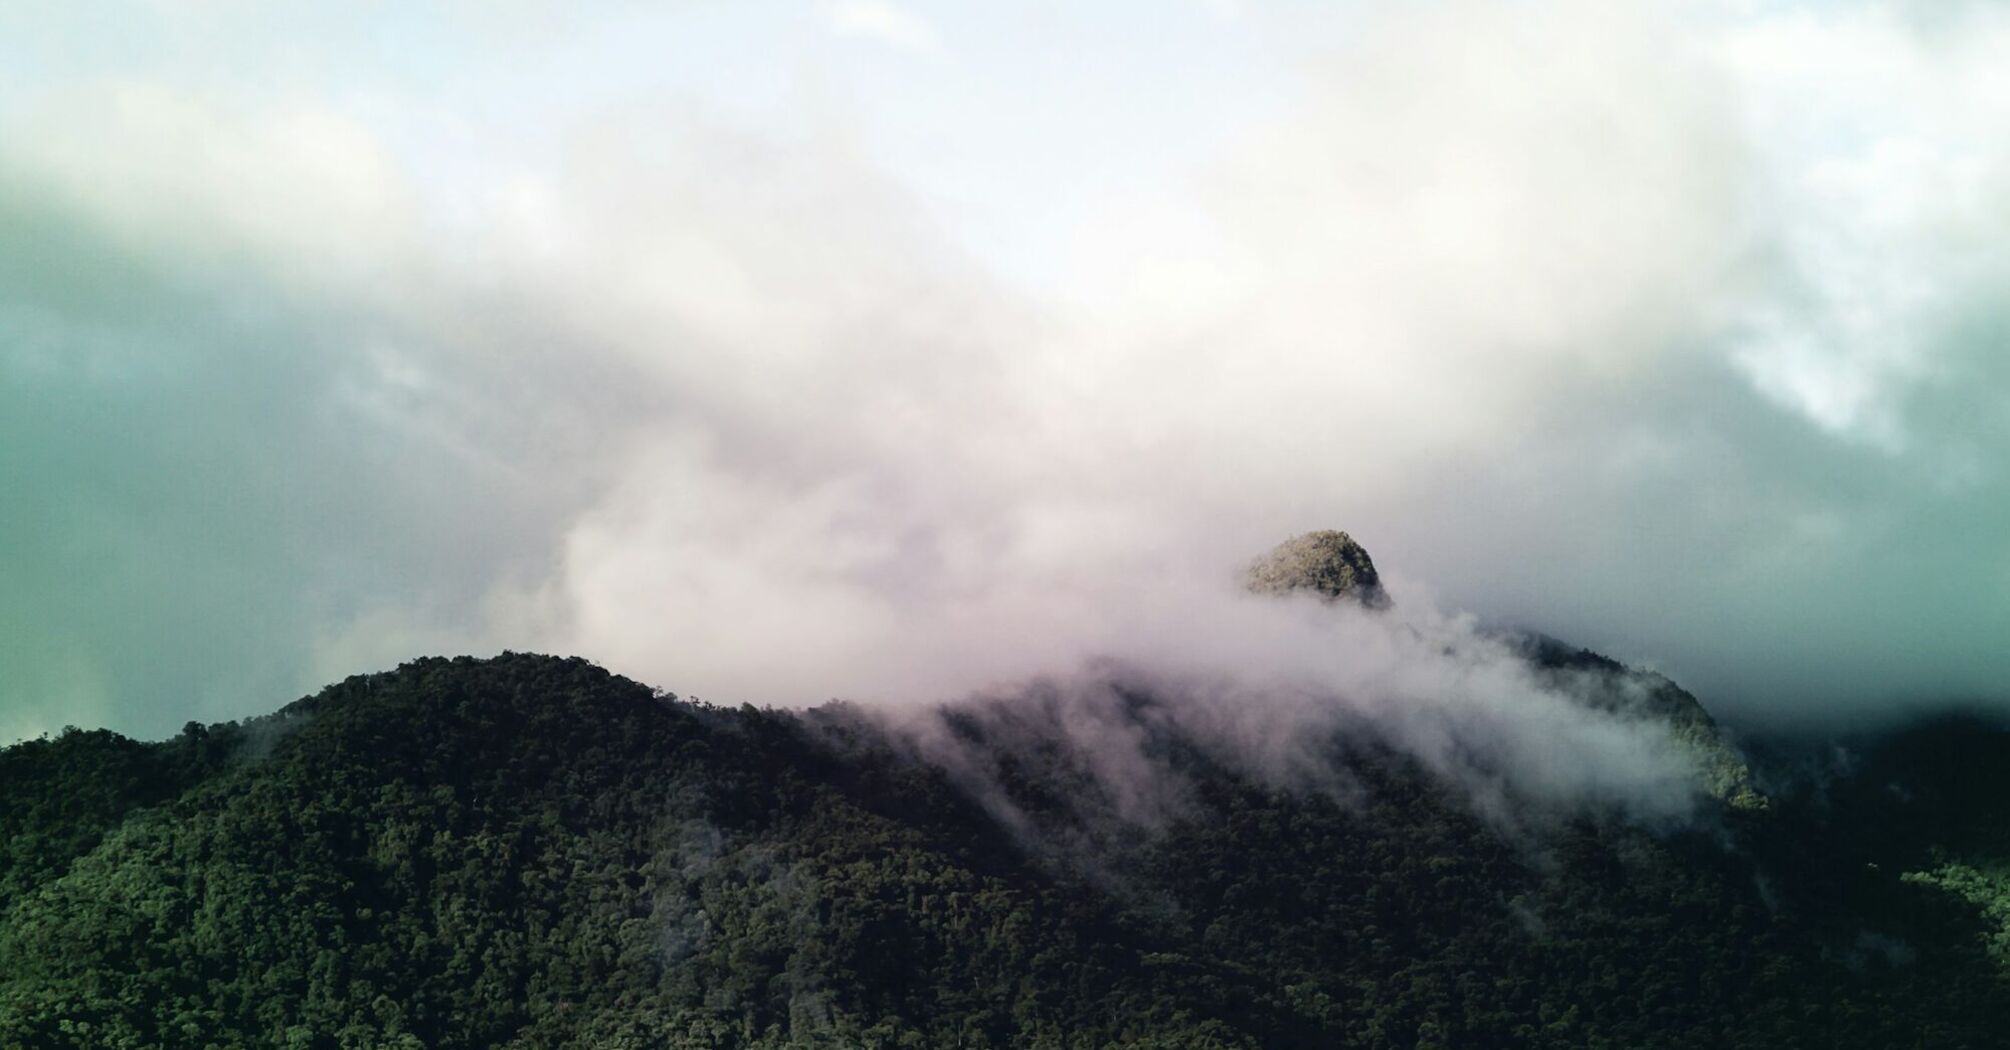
<point>531,852</point>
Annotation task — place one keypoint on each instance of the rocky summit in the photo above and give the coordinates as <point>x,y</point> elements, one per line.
<point>1327,563</point>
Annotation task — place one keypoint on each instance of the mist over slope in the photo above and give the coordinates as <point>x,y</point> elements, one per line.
<point>531,852</point>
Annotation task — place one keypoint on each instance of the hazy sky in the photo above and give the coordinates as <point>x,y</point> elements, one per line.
<point>776,351</point>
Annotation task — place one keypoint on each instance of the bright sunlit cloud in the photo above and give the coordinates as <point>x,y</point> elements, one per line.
<point>733,346</point>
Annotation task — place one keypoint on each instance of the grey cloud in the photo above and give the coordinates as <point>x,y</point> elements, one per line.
<point>212,474</point>
<point>723,409</point>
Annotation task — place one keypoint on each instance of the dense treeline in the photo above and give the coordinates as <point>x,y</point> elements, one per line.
<point>62,795</point>
<point>530,852</point>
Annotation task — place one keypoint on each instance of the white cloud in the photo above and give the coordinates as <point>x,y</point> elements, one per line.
<point>884,22</point>
<point>1885,179</point>
<point>218,185</point>
<point>1541,307</point>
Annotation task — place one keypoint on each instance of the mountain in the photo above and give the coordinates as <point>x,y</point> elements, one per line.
<point>529,851</point>
<point>1328,564</point>
<point>1332,567</point>
<point>1726,774</point>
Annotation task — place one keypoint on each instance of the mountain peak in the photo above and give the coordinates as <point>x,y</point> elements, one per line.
<point>1327,563</point>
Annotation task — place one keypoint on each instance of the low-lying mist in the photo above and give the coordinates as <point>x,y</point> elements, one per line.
<point>1282,690</point>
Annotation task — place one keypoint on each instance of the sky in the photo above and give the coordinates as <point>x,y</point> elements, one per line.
<point>774,352</point>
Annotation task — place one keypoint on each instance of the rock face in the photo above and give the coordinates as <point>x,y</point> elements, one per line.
<point>1326,563</point>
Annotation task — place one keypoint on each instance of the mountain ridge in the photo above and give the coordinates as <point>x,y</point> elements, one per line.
<point>530,851</point>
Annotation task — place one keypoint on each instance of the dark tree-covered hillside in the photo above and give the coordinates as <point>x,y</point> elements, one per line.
<point>532,852</point>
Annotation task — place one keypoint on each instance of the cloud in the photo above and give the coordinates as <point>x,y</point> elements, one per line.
<point>885,23</point>
<point>1884,183</point>
<point>215,189</point>
<point>249,413</point>
<point>1292,693</point>
<point>1633,324</point>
